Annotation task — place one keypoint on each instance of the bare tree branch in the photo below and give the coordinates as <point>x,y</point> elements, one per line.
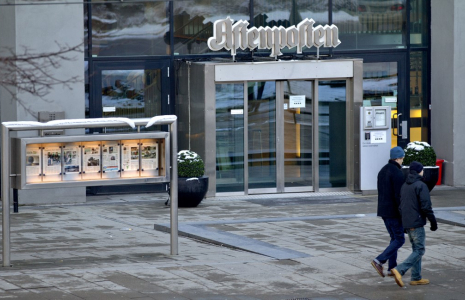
<point>30,72</point>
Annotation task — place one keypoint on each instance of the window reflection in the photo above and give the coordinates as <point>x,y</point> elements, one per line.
<point>365,24</point>
<point>287,13</point>
<point>131,94</point>
<point>130,29</point>
<point>193,22</point>
<point>418,23</point>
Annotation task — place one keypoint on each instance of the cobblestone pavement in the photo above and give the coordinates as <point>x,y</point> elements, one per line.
<point>108,249</point>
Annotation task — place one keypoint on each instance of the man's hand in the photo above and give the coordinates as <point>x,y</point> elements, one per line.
<point>434,226</point>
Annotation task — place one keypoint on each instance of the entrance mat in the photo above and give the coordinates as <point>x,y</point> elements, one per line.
<point>223,238</point>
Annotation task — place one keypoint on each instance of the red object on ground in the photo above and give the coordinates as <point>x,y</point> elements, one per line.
<point>439,163</point>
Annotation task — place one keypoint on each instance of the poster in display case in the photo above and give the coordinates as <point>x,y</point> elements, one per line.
<point>51,162</point>
<point>33,164</point>
<point>149,158</point>
<point>130,158</point>
<point>110,159</point>
<point>72,161</point>
<point>91,160</point>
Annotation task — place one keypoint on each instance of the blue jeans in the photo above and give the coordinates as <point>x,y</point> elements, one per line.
<point>417,238</point>
<point>396,231</point>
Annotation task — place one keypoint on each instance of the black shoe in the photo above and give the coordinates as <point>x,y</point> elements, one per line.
<point>378,267</point>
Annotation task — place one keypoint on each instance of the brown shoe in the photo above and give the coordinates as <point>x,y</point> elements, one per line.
<point>397,277</point>
<point>390,274</point>
<point>419,282</point>
<point>378,267</point>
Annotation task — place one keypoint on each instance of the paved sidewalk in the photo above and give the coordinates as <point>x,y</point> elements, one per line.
<point>108,249</point>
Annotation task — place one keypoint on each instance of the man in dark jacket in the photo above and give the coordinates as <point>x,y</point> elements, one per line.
<point>390,180</point>
<point>415,208</point>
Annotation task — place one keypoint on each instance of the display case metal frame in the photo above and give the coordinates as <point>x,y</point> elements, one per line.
<point>7,175</point>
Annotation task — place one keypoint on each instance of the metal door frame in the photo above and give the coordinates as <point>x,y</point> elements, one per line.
<point>95,96</point>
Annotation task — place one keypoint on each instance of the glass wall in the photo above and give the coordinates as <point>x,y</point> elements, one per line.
<point>230,137</point>
<point>419,110</point>
<point>370,24</point>
<point>193,22</point>
<point>332,133</point>
<point>136,28</point>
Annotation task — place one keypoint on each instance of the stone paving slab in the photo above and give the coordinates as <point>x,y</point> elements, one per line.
<point>87,252</point>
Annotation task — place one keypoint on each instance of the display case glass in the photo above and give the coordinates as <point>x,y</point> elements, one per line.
<point>72,161</point>
<point>91,161</point>
<point>33,164</point>
<point>111,159</point>
<point>149,158</point>
<point>51,162</point>
<point>130,158</point>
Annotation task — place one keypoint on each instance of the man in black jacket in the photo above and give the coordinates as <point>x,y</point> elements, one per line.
<point>390,180</point>
<point>415,207</point>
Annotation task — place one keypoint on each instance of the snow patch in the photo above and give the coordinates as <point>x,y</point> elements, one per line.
<point>161,119</point>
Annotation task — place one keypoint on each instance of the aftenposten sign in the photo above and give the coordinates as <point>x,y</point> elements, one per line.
<point>232,37</point>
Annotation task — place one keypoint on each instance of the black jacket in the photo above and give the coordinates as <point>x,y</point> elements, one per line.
<point>415,202</point>
<point>390,180</point>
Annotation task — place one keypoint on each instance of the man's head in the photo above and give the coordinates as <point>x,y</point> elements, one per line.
<point>416,167</point>
<point>397,154</point>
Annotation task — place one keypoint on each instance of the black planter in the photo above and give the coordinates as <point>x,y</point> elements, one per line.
<point>191,191</point>
<point>430,176</point>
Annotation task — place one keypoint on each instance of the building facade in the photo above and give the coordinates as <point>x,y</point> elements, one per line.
<point>139,59</point>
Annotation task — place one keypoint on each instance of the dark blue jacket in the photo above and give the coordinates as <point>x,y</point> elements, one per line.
<point>390,180</point>
<point>415,202</point>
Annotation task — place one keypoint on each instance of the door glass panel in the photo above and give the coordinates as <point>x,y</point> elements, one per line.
<point>230,137</point>
<point>262,134</point>
<point>419,111</point>
<point>380,89</point>
<point>131,93</point>
<point>332,133</point>
<point>298,114</point>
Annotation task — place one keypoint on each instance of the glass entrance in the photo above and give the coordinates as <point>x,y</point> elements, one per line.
<point>281,136</point>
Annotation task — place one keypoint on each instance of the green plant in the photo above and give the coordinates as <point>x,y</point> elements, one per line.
<point>190,164</point>
<point>421,152</point>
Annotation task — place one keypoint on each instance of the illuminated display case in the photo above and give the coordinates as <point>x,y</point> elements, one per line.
<point>91,160</point>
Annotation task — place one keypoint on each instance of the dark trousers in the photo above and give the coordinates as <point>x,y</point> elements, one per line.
<point>396,232</point>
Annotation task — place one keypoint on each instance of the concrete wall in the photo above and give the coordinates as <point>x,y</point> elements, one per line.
<point>39,28</point>
<point>447,88</point>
